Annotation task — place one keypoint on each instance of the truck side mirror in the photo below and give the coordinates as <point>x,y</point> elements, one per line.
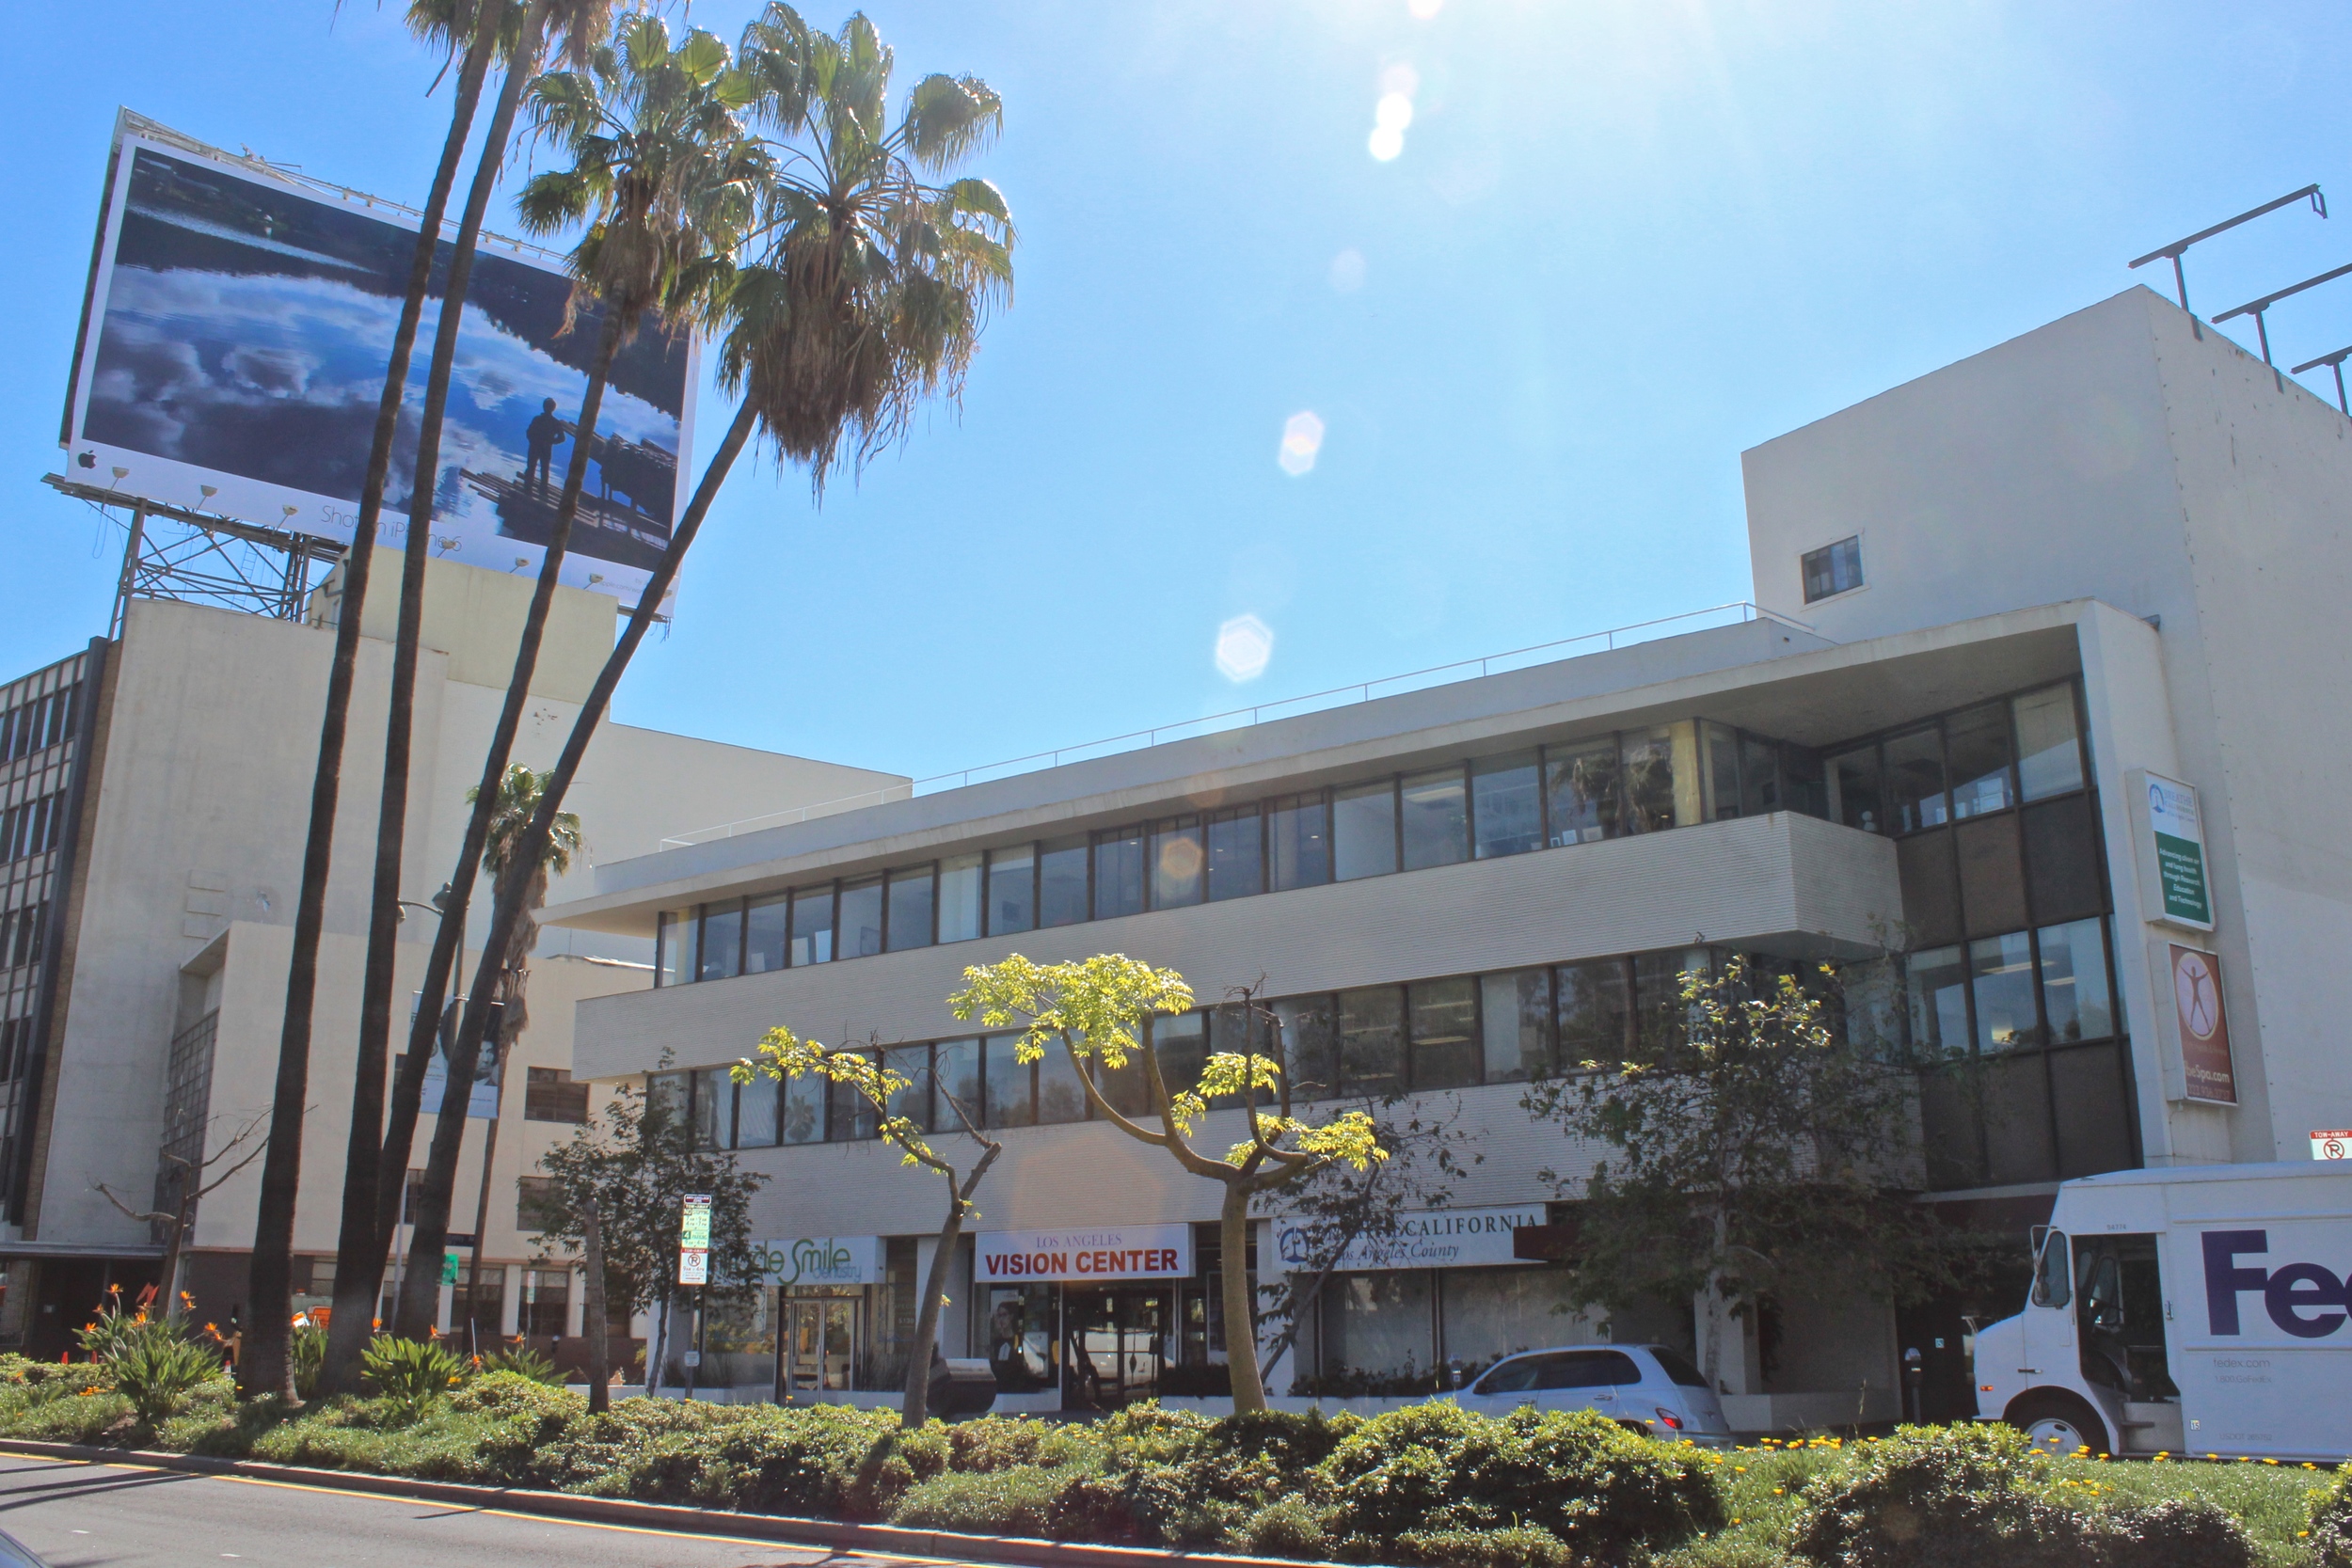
<point>2053,1276</point>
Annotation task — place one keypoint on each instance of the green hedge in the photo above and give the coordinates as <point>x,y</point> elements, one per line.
<point>1429,1485</point>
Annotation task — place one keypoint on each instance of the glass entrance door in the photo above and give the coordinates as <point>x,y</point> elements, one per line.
<point>821,1343</point>
<point>1115,1345</point>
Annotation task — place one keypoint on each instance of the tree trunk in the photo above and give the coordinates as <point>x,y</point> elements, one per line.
<point>430,1214</point>
<point>917,1408</point>
<point>592,1305</point>
<point>481,1202</point>
<point>1241,1306</point>
<point>263,1365</point>
<point>358,1254</point>
<point>658,1350</point>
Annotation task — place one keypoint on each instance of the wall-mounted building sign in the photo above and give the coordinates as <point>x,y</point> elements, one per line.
<point>2204,1026</point>
<point>821,1260</point>
<point>1081,1256</point>
<point>2332,1143</point>
<point>1438,1239</point>
<point>2172,852</point>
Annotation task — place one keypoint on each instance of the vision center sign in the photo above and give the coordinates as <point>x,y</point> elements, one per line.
<point>1435,1239</point>
<point>2172,851</point>
<point>1079,1256</point>
<point>820,1261</point>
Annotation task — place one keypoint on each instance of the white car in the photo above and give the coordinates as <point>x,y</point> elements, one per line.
<point>1651,1388</point>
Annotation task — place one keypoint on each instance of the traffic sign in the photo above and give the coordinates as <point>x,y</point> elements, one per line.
<point>2336,1145</point>
<point>693,1239</point>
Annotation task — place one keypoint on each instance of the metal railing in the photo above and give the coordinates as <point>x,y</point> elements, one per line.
<point>1738,613</point>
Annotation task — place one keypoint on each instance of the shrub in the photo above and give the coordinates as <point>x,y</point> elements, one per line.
<point>513,1417</point>
<point>1292,1527</point>
<point>1935,1498</point>
<point>2178,1532</point>
<point>1004,1442</point>
<point>157,1372</point>
<point>2331,1523</point>
<point>306,1355</point>
<point>1016,1501</point>
<point>524,1362</point>
<point>83,1416</point>
<point>409,1374</point>
<point>1512,1547</point>
<point>1590,1483</point>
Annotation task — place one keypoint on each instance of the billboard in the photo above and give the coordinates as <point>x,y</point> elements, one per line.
<point>231,359</point>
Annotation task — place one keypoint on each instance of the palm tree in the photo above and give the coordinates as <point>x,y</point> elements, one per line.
<point>518,795</point>
<point>665,176</point>
<point>364,1238</point>
<point>262,1367</point>
<point>870,296</point>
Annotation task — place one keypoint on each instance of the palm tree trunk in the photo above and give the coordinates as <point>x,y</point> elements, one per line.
<point>1241,1316</point>
<point>418,1296</point>
<point>512,889</point>
<point>262,1366</point>
<point>592,1305</point>
<point>358,1254</point>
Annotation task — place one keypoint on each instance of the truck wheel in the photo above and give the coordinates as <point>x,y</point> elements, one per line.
<point>2058,1422</point>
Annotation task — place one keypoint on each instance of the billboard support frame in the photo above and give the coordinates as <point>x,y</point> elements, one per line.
<point>206,559</point>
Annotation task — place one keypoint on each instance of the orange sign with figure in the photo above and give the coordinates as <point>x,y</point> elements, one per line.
<point>2204,1026</point>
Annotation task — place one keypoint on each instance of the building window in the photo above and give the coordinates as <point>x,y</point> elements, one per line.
<point>546,1304</point>
<point>714,1109</point>
<point>1236,857</point>
<point>912,892</point>
<point>1176,862</point>
<point>1371,1040</point>
<point>1299,830</point>
<point>756,1106</point>
<point>1444,1015</point>
<point>956,1084</point>
<point>1181,1044</point>
<point>723,940</point>
<point>960,897</point>
<point>1363,830</point>
<point>802,1118</point>
<point>550,1095</point>
<point>853,1117</point>
<point>1507,804</point>
<point>914,1102</point>
<point>859,933</point>
<point>812,926</point>
<point>674,959</point>
<point>767,935</point>
<point>534,1202</point>
<point>1581,789</point>
<point>1833,569</point>
<point>1514,1025</point>
<point>1436,819</point>
<point>2049,742</point>
<point>1119,873</point>
<point>1061,880</point>
<point>1008,1085</point>
<point>1013,891</point>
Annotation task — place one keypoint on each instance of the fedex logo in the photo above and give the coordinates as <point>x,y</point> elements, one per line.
<point>2302,1299</point>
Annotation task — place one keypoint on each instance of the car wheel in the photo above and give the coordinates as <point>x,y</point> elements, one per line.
<point>2058,1422</point>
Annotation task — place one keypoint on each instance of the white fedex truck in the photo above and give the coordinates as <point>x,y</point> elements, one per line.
<point>2197,1309</point>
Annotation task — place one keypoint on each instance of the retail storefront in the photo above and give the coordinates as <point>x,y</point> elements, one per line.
<point>1444,1296</point>
<point>836,1313</point>
<point>1096,1317</point>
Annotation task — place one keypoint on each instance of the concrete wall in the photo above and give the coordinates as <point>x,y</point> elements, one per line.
<point>198,820</point>
<point>1781,881</point>
<point>2130,454</point>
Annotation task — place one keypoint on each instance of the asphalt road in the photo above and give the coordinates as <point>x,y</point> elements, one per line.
<point>122,1516</point>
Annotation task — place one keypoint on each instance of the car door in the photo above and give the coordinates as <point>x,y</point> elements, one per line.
<point>1506,1385</point>
<point>1584,1380</point>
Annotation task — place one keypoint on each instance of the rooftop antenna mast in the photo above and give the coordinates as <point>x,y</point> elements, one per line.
<point>2173,252</point>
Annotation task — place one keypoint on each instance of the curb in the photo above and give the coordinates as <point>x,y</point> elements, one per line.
<point>870,1540</point>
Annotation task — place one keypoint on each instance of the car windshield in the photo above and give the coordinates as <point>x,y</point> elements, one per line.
<point>1676,1368</point>
<point>1511,1377</point>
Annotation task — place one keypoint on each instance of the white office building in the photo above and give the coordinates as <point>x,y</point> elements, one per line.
<point>1994,609</point>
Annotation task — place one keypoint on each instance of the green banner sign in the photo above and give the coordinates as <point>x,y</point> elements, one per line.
<point>2179,830</point>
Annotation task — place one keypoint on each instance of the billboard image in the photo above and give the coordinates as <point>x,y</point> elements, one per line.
<point>233,360</point>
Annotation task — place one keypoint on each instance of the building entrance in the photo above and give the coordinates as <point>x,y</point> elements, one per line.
<point>821,1338</point>
<point>1117,1341</point>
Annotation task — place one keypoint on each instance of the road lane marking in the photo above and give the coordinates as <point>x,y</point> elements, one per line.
<point>829,1554</point>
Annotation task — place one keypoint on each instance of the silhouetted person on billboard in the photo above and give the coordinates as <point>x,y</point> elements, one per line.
<point>540,438</point>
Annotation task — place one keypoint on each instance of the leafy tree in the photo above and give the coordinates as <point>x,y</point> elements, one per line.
<point>1751,1146</point>
<point>665,177</point>
<point>784,1055</point>
<point>1095,1008</point>
<point>375,1157</point>
<point>866,295</point>
<point>633,1170</point>
<point>1339,1206</point>
<point>263,1367</point>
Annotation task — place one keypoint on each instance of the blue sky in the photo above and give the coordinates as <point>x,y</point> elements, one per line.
<point>1624,240</point>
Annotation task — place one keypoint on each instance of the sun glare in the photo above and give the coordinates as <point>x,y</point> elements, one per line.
<point>1302,438</point>
<point>1244,644</point>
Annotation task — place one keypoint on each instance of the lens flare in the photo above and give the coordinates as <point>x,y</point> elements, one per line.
<point>1302,438</point>
<point>1347,271</point>
<point>1394,111</point>
<point>1244,644</point>
<point>1424,10</point>
<point>1385,144</point>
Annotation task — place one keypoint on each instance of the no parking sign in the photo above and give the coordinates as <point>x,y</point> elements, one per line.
<point>2332,1146</point>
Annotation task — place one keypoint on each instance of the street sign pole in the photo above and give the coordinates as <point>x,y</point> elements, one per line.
<point>693,1269</point>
